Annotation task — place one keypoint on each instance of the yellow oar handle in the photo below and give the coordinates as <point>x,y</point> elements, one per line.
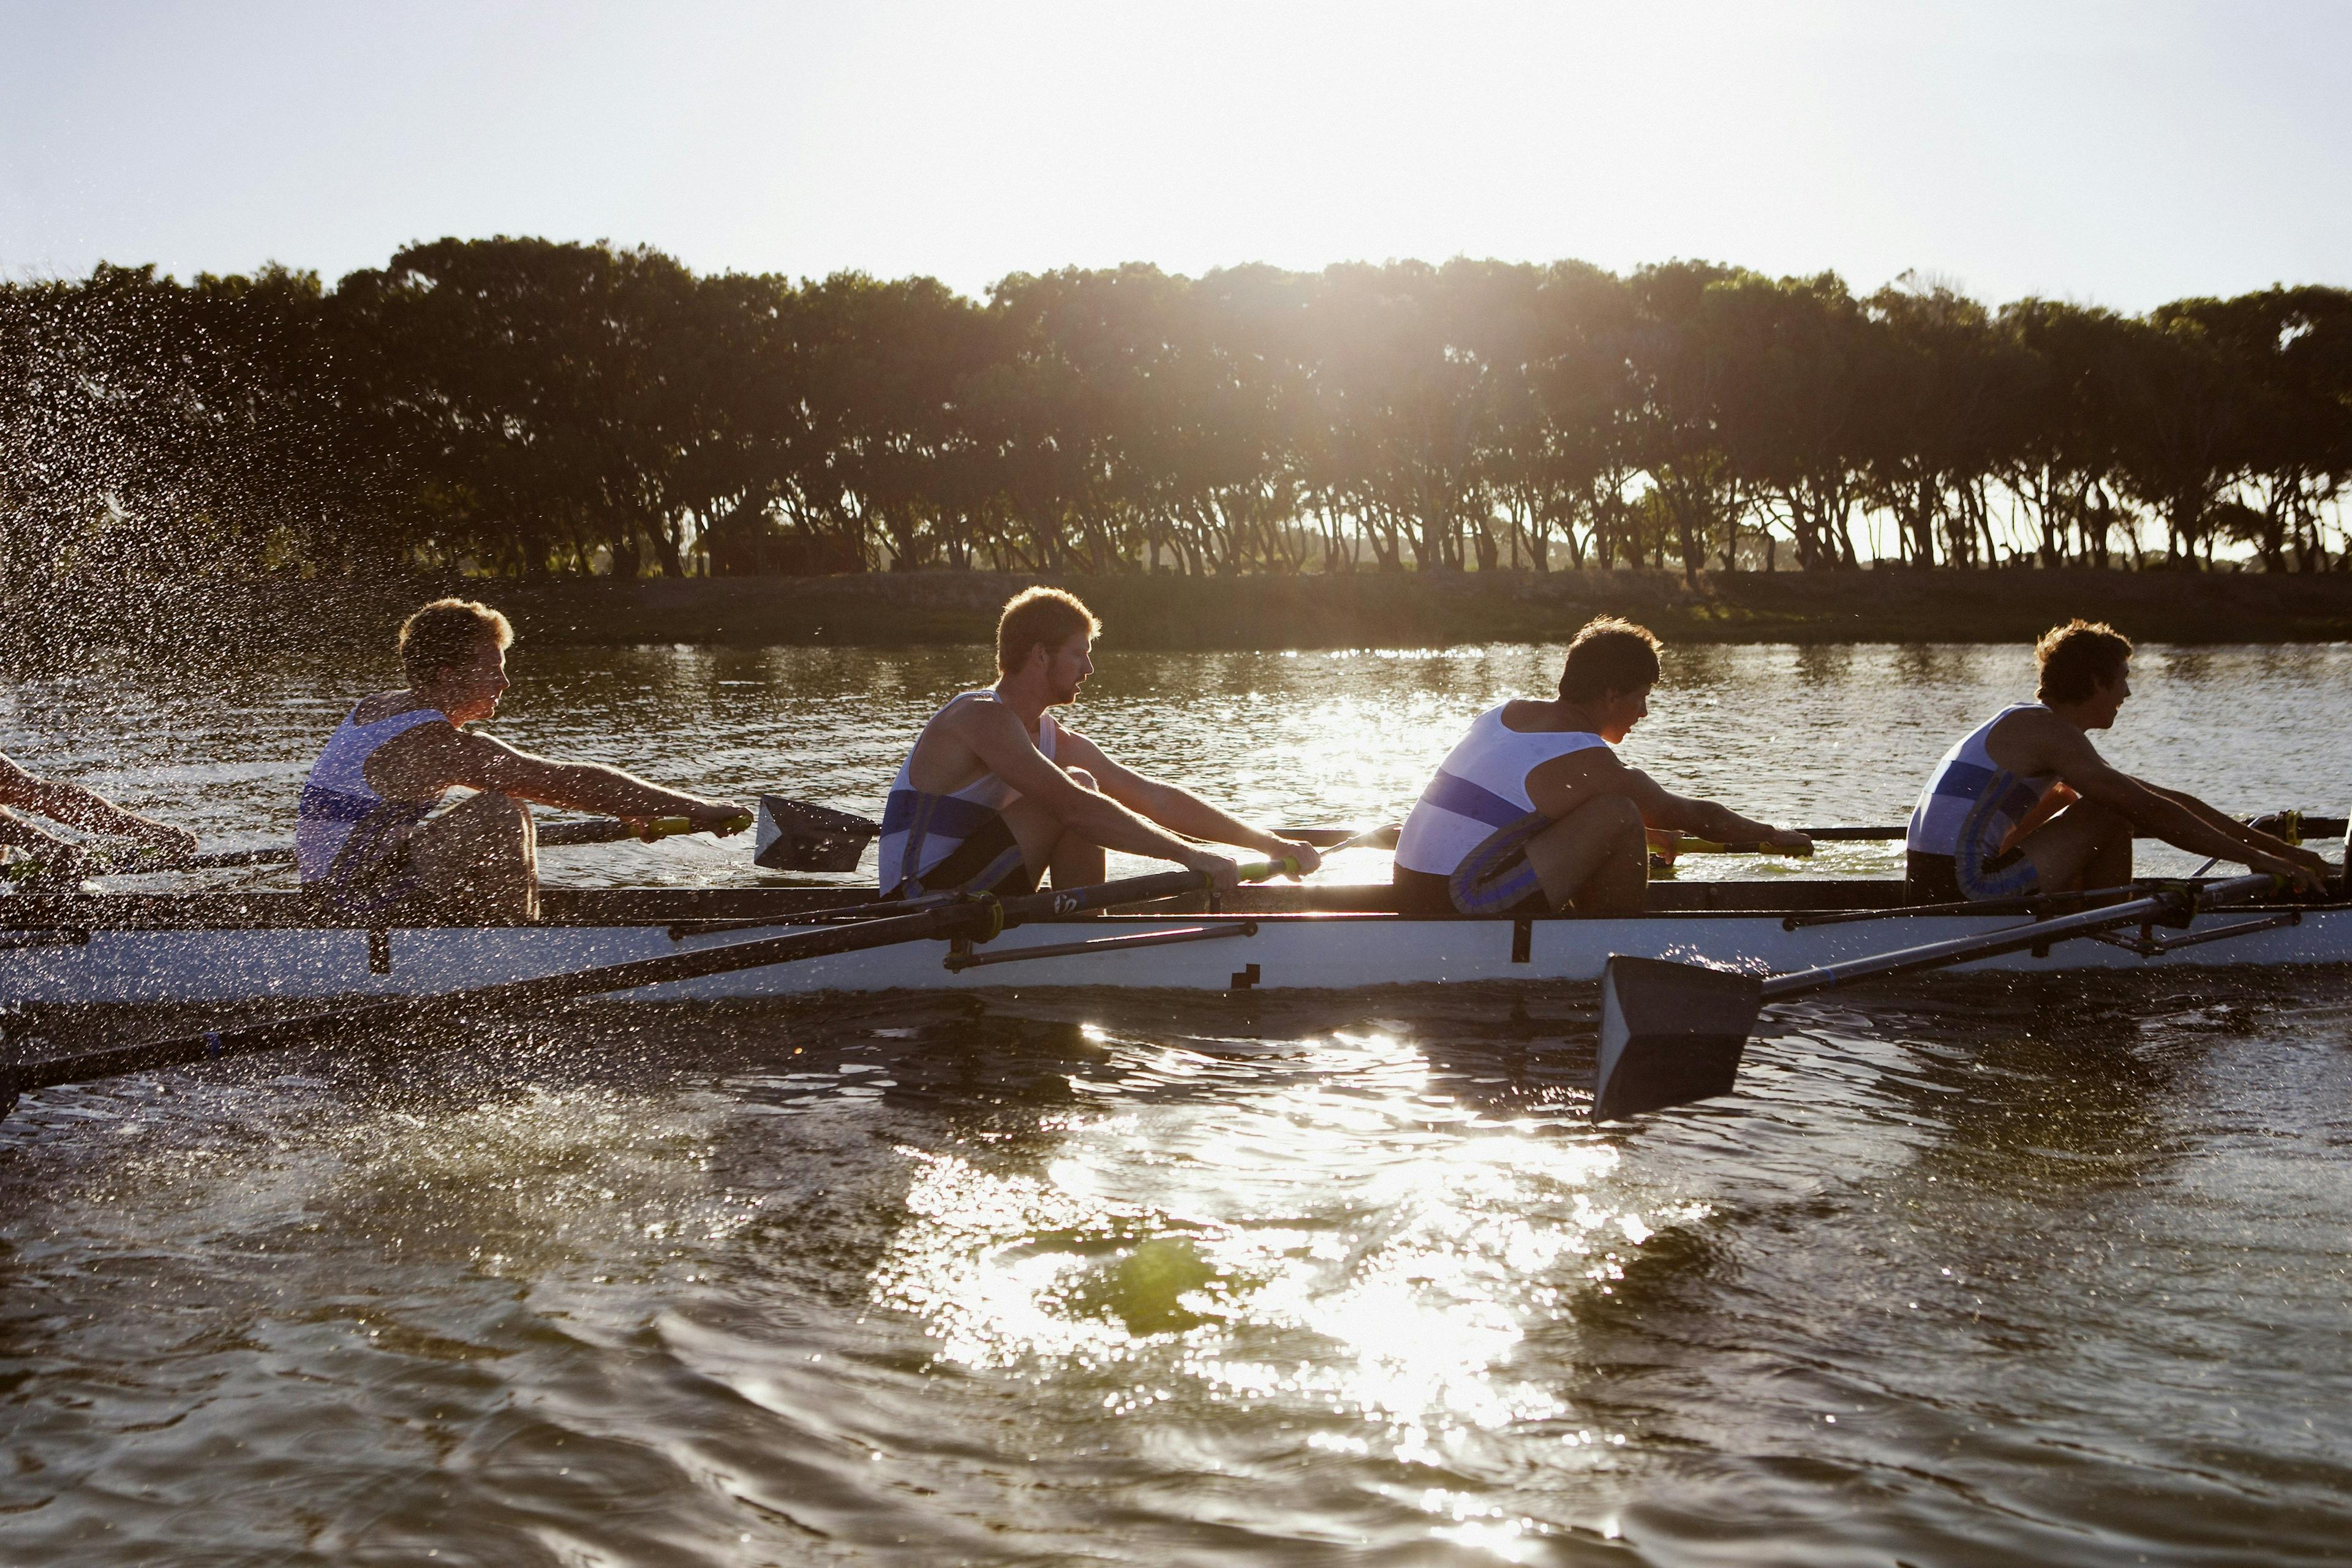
<point>1686,845</point>
<point>1263,870</point>
<point>670,826</point>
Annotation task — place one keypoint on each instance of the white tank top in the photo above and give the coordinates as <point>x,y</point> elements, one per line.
<point>1480,789</point>
<point>919,829</point>
<point>1971,799</point>
<point>337,797</point>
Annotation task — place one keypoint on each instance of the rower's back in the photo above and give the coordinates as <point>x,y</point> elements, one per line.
<point>1480,788</point>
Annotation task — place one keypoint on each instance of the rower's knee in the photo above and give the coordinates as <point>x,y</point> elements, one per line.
<point>2109,819</point>
<point>2101,822</point>
<point>499,813</point>
<point>1611,816</point>
<point>490,803</point>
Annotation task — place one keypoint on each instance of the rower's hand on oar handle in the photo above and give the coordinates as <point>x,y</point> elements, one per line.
<point>1224,873</point>
<point>719,818</point>
<point>2299,869</point>
<point>1297,860</point>
<point>1789,841</point>
<point>170,842</point>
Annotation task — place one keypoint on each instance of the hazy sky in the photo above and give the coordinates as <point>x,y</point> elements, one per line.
<point>2120,155</point>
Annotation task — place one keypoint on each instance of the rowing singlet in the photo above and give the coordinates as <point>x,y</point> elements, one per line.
<point>1480,792</point>
<point>1971,802</point>
<point>337,798</point>
<point>920,830</point>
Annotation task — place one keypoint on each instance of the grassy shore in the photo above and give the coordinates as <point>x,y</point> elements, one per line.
<point>1367,610</point>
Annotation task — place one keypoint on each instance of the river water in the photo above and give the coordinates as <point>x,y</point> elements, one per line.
<point>1973,1270</point>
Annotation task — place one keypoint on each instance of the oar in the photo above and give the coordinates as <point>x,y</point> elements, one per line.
<point>1382,837</point>
<point>2293,825</point>
<point>2035,904</point>
<point>1685,844</point>
<point>1672,1033</point>
<point>595,830</point>
<point>802,835</point>
<point>978,919</point>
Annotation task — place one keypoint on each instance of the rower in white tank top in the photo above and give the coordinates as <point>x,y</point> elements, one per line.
<point>1473,820</point>
<point>1968,810</point>
<point>956,841</point>
<point>343,830</point>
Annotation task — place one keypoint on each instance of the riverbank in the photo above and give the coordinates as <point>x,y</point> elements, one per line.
<point>1164,612</point>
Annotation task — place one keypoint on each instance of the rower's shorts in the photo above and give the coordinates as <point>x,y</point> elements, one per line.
<point>1495,878</point>
<point>371,878</point>
<point>988,861</point>
<point>1947,880</point>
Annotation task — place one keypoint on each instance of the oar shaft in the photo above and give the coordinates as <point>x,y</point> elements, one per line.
<point>2306,826</point>
<point>2037,933</point>
<point>668,969</point>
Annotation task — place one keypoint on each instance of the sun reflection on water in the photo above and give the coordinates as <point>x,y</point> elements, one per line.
<point>1339,1243</point>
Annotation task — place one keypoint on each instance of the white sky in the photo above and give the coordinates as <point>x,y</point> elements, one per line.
<point>2121,155</point>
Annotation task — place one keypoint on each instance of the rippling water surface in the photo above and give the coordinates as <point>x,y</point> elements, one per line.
<point>1972,1271</point>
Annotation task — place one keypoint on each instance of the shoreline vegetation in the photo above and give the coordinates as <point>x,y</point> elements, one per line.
<point>524,409</point>
<point>1170,613</point>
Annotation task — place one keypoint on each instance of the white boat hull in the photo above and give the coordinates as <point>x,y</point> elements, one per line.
<point>1339,952</point>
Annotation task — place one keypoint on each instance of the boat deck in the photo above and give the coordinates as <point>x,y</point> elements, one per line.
<point>281,910</point>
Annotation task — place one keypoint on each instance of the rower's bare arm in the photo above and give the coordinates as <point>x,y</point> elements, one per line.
<point>1567,784</point>
<point>2253,837</point>
<point>2156,815</point>
<point>996,736</point>
<point>1176,808</point>
<point>1714,821</point>
<point>13,781</point>
<point>78,807</point>
<point>24,835</point>
<point>486,762</point>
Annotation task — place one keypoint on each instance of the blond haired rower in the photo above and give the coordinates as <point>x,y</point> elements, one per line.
<point>994,794</point>
<point>2024,804</point>
<point>365,837</point>
<point>1532,811</point>
<point>61,858</point>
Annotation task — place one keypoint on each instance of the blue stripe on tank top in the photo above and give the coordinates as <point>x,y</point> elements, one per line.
<point>319,804</point>
<point>1450,792</point>
<point>950,814</point>
<point>1965,780</point>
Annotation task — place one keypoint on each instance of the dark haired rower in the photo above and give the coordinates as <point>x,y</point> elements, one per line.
<point>2024,804</point>
<point>1533,812</point>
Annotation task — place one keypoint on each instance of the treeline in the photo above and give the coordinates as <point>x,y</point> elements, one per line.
<point>525,408</point>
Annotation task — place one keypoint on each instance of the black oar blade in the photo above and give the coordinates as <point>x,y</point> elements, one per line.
<point>1670,1034</point>
<point>796,836</point>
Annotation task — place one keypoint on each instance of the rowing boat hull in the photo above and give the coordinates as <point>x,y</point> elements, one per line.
<point>163,962</point>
